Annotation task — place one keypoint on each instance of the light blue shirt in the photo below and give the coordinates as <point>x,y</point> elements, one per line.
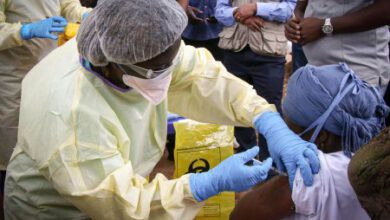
<point>270,11</point>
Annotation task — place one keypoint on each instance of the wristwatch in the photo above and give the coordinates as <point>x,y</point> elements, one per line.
<point>327,28</point>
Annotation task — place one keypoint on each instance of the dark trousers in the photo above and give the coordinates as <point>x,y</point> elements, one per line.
<point>387,100</point>
<point>2,179</point>
<point>387,95</point>
<point>298,57</point>
<point>266,74</point>
<point>210,45</point>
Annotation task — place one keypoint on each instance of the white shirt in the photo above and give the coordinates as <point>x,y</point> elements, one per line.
<point>331,197</point>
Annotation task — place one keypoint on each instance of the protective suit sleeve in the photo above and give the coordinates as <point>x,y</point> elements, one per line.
<point>72,10</point>
<point>203,90</point>
<point>99,181</point>
<point>9,33</point>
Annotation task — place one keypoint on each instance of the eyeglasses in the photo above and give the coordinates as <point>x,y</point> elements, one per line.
<point>143,72</point>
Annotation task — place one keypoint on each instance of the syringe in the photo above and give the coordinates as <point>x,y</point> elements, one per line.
<point>272,168</point>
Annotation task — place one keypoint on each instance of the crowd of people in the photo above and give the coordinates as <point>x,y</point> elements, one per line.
<point>82,125</point>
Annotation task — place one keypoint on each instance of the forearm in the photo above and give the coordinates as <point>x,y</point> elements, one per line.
<point>72,10</point>
<point>10,35</point>
<point>371,17</point>
<point>300,9</point>
<point>9,32</point>
<point>183,3</point>
<point>271,200</point>
<point>202,89</point>
<point>115,191</point>
<point>275,11</point>
<point>224,12</point>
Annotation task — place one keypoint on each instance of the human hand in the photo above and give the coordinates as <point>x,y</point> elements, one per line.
<point>245,11</point>
<point>192,13</point>
<point>212,20</point>
<point>43,28</point>
<point>292,30</point>
<point>254,23</point>
<point>230,175</point>
<point>287,149</point>
<point>310,30</point>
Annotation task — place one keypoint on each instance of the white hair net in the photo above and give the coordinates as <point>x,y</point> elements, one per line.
<point>130,31</point>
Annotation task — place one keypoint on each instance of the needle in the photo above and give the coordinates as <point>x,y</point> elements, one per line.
<point>272,168</point>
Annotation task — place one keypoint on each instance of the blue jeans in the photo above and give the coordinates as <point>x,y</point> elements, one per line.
<point>266,74</point>
<point>298,57</point>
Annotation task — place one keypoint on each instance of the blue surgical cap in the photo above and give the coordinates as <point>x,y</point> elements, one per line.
<point>333,98</point>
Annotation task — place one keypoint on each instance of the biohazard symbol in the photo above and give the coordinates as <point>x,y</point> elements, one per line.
<point>200,167</point>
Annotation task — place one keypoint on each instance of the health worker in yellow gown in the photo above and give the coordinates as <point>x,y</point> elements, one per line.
<point>93,122</point>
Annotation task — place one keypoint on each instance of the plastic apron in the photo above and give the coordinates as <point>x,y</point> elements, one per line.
<point>86,146</point>
<point>17,57</point>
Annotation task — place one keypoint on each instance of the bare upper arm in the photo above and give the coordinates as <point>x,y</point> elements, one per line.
<point>270,200</point>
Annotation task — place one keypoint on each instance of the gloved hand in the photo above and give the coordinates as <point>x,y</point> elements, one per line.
<point>287,149</point>
<point>230,175</point>
<point>43,28</point>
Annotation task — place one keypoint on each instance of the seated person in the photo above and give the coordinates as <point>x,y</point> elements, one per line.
<point>330,106</point>
<point>369,175</point>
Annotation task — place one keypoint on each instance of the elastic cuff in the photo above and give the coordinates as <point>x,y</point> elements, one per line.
<point>261,114</point>
<point>187,188</point>
<point>193,187</point>
<point>23,33</point>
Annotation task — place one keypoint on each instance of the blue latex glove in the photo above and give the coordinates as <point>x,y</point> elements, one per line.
<point>287,149</point>
<point>43,28</point>
<point>230,175</point>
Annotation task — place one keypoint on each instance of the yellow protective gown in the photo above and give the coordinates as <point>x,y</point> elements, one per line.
<point>84,148</point>
<point>18,56</point>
